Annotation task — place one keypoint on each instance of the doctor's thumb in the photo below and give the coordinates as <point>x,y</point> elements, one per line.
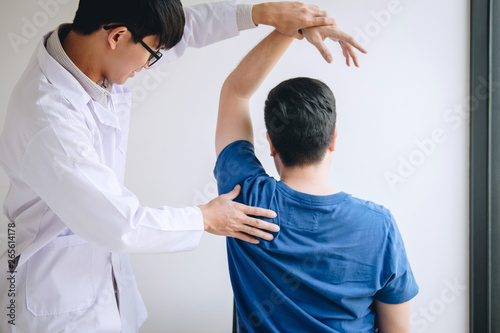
<point>234,193</point>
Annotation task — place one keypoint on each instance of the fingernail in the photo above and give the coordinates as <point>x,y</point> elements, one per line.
<point>276,228</point>
<point>329,59</point>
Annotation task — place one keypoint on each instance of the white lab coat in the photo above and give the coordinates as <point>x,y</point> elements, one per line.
<point>75,220</point>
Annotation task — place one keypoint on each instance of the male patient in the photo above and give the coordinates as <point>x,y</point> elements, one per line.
<point>338,263</point>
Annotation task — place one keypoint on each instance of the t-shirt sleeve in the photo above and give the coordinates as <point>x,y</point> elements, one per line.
<point>236,163</point>
<point>399,285</point>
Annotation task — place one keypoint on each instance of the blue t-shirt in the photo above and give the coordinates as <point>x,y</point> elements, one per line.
<point>332,257</point>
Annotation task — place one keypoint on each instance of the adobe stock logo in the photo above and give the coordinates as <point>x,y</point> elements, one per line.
<point>424,316</point>
<point>31,26</point>
<point>425,148</point>
<point>453,118</point>
<point>381,20</point>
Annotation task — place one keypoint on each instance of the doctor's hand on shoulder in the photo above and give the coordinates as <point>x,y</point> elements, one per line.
<point>222,216</point>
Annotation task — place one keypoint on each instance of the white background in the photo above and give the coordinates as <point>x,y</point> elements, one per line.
<point>412,87</point>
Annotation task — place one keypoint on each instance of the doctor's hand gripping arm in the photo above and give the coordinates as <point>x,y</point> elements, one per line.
<point>299,20</point>
<point>290,17</point>
<point>209,23</point>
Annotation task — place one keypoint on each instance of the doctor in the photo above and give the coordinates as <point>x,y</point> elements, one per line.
<point>64,145</point>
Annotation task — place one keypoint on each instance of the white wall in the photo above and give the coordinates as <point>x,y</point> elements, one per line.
<point>412,87</point>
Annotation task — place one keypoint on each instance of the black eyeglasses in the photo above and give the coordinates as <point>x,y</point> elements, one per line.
<point>153,58</point>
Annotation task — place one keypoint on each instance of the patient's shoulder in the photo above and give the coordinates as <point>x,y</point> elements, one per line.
<point>369,209</point>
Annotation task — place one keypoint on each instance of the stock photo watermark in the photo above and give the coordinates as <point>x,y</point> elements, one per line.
<point>256,318</point>
<point>30,26</point>
<point>425,148</point>
<point>80,324</point>
<point>11,273</point>
<point>381,20</point>
<point>268,306</point>
<point>454,118</point>
<point>152,79</point>
<point>426,315</point>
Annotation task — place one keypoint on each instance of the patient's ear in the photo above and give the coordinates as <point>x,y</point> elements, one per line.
<point>332,145</point>
<point>271,147</point>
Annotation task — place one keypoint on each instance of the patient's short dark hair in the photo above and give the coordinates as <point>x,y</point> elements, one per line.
<point>164,18</point>
<point>300,118</point>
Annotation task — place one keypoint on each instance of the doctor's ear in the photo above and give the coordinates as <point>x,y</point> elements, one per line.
<point>116,35</point>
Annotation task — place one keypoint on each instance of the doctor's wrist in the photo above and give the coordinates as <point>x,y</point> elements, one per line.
<point>260,14</point>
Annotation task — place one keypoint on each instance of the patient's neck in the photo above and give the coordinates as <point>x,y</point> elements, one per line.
<point>311,179</point>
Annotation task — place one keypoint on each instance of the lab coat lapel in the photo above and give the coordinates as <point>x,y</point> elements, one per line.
<point>61,78</point>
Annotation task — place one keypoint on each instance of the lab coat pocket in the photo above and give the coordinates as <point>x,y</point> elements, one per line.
<point>58,277</point>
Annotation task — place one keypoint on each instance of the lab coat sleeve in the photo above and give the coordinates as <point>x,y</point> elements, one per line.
<point>62,166</point>
<point>205,24</point>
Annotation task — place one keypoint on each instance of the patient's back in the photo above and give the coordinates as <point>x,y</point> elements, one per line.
<point>333,255</point>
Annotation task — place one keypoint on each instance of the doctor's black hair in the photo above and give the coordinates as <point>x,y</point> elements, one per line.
<point>300,116</point>
<point>164,18</point>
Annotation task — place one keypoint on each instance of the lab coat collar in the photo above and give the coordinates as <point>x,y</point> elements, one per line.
<point>61,78</point>
<point>70,87</point>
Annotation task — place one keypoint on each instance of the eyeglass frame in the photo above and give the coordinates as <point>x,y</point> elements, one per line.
<point>156,55</point>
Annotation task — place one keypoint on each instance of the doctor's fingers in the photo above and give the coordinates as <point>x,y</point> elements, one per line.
<point>251,234</point>
<point>257,211</point>
<point>244,237</point>
<point>256,227</point>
